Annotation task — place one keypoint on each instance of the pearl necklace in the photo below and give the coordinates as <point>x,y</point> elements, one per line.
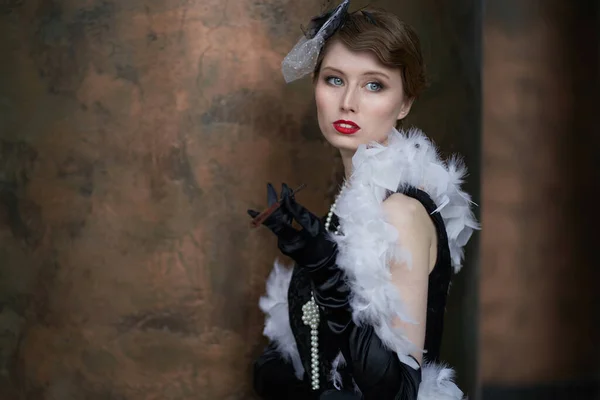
<point>332,211</point>
<point>310,311</point>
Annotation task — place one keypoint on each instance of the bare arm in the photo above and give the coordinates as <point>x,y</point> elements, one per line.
<point>417,236</point>
<point>376,369</point>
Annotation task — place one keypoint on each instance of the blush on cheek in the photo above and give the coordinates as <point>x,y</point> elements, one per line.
<point>319,95</point>
<point>322,102</point>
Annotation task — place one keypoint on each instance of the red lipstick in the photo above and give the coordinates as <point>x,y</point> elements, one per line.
<point>346,127</point>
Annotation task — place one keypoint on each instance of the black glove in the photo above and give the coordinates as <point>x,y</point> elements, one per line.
<point>309,247</point>
<point>312,249</point>
<point>378,371</point>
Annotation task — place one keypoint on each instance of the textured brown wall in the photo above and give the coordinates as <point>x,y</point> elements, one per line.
<point>133,135</point>
<point>539,307</point>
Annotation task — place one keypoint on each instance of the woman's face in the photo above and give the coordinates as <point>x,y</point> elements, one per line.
<point>358,99</point>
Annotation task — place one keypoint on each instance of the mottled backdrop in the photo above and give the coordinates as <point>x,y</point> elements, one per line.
<point>133,136</point>
<point>540,322</point>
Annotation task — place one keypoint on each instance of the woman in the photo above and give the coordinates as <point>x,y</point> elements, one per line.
<point>361,313</point>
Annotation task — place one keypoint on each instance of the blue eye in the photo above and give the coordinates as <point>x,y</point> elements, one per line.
<point>374,86</point>
<point>333,80</point>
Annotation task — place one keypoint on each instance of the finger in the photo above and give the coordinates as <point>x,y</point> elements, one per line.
<point>286,191</point>
<point>286,232</point>
<point>271,195</point>
<point>307,220</point>
<point>278,222</point>
<point>270,221</point>
<point>286,216</point>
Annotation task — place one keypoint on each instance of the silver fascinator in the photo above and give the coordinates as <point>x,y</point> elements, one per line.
<point>302,59</point>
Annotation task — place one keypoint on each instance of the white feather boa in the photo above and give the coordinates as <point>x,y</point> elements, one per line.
<point>277,321</point>
<point>369,243</point>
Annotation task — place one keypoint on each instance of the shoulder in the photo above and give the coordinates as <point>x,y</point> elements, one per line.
<point>416,230</point>
<point>407,213</point>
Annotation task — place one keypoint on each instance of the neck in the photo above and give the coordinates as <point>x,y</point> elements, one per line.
<point>347,161</point>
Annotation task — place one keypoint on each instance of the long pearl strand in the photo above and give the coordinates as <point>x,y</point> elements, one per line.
<point>310,312</point>
<point>310,317</point>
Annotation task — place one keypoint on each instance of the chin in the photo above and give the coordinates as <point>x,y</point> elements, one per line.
<point>350,142</point>
<point>343,142</point>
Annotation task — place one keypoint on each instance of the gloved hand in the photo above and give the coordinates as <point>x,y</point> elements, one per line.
<point>310,246</point>
<point>311,249</point>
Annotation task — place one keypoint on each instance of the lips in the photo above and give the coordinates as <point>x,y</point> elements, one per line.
<point>346,127</point>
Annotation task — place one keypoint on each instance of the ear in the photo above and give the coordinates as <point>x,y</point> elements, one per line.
<point>406,106</point>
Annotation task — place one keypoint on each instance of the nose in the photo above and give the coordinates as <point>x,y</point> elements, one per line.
<point>349,101</point>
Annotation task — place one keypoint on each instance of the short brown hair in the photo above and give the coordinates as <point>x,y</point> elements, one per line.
<point>394,42</point>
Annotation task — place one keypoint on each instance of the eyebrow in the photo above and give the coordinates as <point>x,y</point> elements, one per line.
<point>365,73</point>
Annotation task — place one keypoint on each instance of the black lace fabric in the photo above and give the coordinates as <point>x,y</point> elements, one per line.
<point>299,293</point>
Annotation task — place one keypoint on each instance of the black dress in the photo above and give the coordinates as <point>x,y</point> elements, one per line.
<point>375,370</point>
